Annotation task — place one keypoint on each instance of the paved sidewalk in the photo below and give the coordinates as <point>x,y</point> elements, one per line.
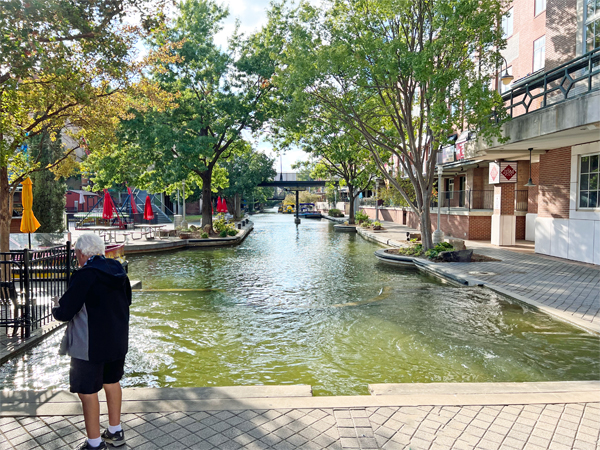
<point>566,289</point>
<point>364,422</point>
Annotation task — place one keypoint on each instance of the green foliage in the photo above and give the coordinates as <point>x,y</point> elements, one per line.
<point>432,253</point>
<point>389,71</point>
<point>48,192</point>
<point>377,223</point>
<point>245,172</point>
<point>222,226</point>
<point>204,235</point>
<point>413,250</point>
<point>334,212</point>
<point>221,93</point>
<point>361,216</point>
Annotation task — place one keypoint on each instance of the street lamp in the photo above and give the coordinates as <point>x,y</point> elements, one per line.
<point>438,235</point>
<point>378,180</point>
<point>530,182</point>
<point>506,77</point>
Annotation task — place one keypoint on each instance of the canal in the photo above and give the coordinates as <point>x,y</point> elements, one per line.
<point>306,305</point>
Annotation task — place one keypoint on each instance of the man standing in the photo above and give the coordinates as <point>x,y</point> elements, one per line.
<point>96,305</point>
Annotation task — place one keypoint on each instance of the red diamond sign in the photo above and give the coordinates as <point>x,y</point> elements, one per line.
<point>494,172</point>
<point>508,172</point>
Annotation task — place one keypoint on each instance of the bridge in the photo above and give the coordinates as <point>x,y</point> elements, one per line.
<point>288,181</point>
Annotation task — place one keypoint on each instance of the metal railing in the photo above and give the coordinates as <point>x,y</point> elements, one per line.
<point>29,281</point>
<point>465,200</point>
<point>577,77</point>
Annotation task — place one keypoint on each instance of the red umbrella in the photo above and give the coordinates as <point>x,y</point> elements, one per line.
<point>108,206</point>
<point>219,207</point>
<point>223,205</point>
<point>133,206</point>
<point>148,213</point>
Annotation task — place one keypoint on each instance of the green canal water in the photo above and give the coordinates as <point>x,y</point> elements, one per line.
<point>306,305</point>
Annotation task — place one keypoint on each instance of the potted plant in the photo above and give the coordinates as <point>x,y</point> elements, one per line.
<point>377,225</point>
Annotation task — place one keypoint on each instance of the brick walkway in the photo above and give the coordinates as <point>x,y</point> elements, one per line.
<point>568,426</point>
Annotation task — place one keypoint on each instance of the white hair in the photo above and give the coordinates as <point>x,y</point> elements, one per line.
<point>90,244</point>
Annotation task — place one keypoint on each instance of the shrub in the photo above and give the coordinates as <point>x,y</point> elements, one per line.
<point>204,235</point>
<point>377,223</point>
<point>223,233</point>
<point>232,232</point>
<point>333,212</point>
<point>361,217</point>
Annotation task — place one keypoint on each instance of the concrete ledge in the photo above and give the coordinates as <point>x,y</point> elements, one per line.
<point>484,388</point>
<point>345,228</point>
<point>166,245</point>
<point>585,325</point>
<point>389,258</point>
<point>59,403</point>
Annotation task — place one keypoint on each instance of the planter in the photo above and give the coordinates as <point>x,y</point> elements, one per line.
<point>375,228</point>
<point>185,235</point>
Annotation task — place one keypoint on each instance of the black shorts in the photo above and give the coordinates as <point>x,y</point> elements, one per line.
<point>88,377</point>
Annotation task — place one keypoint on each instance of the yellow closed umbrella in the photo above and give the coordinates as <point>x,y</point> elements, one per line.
<point>28,222</point>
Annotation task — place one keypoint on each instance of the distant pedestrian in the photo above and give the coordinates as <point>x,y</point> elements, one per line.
<point>96,305</point>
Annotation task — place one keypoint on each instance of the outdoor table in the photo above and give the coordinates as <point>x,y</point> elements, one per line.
<point>149,230</point>
<point>105,231</point>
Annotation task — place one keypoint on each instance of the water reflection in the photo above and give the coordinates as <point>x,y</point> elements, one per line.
<point>305,305</point>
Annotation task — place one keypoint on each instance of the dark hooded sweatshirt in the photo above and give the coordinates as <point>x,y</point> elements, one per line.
<point>96,305</point>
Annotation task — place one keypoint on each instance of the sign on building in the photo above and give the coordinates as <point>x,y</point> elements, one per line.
<point>448,154</point>
<point>503,172</point>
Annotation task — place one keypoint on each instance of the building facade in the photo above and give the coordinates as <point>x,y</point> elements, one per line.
<point>543,183</point>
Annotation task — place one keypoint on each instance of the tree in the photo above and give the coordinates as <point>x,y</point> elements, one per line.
<point>339,152</point>
<point>245,173</point>
<point>403,74</point>
<point>48,189</point>
<point>220,96</point>
<point>57,60</point>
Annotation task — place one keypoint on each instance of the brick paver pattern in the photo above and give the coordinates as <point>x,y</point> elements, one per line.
<point>573,426</point>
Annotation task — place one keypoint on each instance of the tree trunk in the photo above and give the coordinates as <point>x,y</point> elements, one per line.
<point>426,238</point>
<point>237,215</point>
<point>5,210</point>
<point>206,177</point>
<point>351,219</point>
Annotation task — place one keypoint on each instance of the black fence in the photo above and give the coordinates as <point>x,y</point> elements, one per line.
<point>577,77</point>
<point>29,280</point>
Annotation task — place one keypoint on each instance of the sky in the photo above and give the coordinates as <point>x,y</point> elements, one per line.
<point>252,14</point>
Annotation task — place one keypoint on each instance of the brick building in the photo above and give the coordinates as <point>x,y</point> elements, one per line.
<point>553,55</point>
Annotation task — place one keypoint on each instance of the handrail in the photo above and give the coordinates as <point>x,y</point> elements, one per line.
<point>522,95</point>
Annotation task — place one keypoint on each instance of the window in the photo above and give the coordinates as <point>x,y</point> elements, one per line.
<point>502,88</point>
<point>507,23</point>
<point>592,25</point>
<point>540,5</point>
<point>449,188</point>
<point>589,181</point>
<point>539,54</point>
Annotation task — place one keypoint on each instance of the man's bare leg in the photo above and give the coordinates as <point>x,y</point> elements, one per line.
<point>91,414</point>
<point>113,400</point>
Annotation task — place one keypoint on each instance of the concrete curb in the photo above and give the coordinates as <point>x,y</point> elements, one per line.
<point>60,403</point>
<point>162,246</point>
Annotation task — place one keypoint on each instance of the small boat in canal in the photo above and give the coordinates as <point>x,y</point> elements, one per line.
<point>308,211</point>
